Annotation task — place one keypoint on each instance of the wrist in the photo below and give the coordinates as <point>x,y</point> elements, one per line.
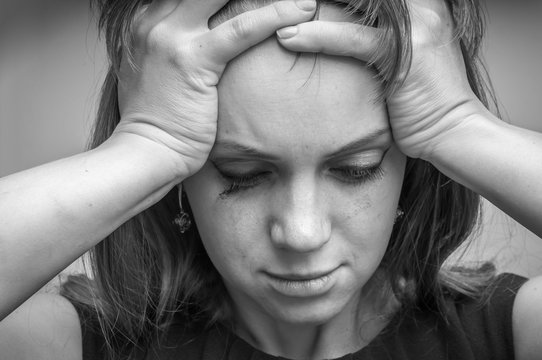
<point>462,126</point>
<point>467,147</point>
<point>155,160</point>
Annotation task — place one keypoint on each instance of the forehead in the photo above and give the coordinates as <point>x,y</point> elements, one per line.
<point>274,98</point>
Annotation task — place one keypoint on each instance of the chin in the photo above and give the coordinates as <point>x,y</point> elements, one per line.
<point>309,311</point>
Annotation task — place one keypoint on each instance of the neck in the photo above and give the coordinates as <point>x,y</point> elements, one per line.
<point>347,332</point>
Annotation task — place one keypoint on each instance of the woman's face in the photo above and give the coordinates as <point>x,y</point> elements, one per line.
<point>296,203</point>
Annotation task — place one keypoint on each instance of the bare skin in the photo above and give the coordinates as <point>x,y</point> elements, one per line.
<point>456,133</point>
<point>436,114</point>
<point>52,214</point>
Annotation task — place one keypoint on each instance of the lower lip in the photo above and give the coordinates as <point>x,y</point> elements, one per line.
<point>303,288</point>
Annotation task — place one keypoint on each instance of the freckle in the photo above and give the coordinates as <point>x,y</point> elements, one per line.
<point>360,206</point>
<point>90,205</point>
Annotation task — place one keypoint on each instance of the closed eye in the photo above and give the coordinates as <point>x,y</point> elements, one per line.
<point>239,182</point>
<point>358,175</point>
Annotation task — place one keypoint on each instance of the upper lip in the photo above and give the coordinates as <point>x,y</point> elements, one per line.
<point>301,276</point>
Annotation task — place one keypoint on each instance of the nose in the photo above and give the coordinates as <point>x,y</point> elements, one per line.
<point>301,223</point>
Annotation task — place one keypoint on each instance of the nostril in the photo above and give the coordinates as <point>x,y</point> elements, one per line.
<point>299,234</point>
<point>277,233</point>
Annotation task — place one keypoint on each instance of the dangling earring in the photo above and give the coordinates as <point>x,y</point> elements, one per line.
<point>398,215</point>
<point>182,220</point>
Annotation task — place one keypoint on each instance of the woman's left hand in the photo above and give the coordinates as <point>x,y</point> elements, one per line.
<point>434,113</point>
<point>435,96</point>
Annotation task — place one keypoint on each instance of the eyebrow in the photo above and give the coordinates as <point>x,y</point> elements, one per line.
<point>359,144</point>
<point>243,149</point>
<point>350,148</point>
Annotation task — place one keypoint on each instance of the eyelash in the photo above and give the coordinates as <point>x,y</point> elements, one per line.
<point>350,175</point>
<point>359,175</point>
<point>241,182</point>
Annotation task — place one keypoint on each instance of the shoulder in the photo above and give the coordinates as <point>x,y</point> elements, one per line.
<point>479,326</point>
<point>45,327</point>
<point>527,320</point>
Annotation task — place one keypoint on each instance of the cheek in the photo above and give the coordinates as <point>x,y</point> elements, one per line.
<point>368,215</point>
<point>366,225</point>
<point>228,231</point>
<point>235,238</point>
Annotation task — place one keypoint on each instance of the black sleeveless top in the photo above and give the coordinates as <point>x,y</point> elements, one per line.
<point>470,330</point>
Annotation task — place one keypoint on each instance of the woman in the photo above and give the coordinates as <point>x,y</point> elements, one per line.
<point>312,235</point>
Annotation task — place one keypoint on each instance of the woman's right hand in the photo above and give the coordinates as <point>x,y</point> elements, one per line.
<point>50,215</point>
<point>167,92</point>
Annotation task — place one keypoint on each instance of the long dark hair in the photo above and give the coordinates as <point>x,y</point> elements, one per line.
<point>145,272</point>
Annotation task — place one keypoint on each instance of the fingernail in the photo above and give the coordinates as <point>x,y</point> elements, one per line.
<point>307,5</point>
<point>287,32</point>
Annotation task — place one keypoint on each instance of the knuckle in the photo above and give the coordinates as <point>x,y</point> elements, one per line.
<point>241,27</point>
<point>433,19</point>
<point>436,28</point>
<point>141,25</point>
<point>157,37</point>
<point>350,37</point>
<point>139,31</point>
<point>355,36</point>
<point>357,43</point>
<point>281,9</point>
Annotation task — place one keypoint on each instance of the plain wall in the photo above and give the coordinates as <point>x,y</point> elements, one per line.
<point>51,67</point>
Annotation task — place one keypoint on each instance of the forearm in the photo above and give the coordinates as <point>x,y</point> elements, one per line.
<point>52,214</point>
<point>499,161</point>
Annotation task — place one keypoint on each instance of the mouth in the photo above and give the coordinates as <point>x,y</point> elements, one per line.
<point>302,285</point>
<point>301,277</point>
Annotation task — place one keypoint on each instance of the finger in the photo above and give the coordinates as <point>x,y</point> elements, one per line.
<point>440,7</point>
<point>159,9</point>
<point>333,38</point>
<point>431,15</point>
<point>197,12</point>
<point>150,15</point>
<point>234,36</point>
